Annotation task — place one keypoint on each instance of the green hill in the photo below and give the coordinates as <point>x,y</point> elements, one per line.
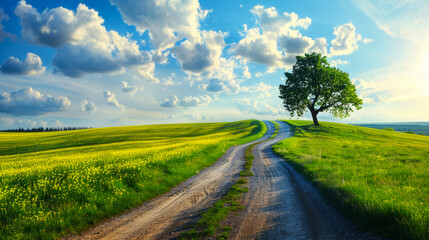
<point>58,183</point>
<point>379,178</point>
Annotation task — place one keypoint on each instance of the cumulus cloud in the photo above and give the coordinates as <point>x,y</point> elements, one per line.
<point>32,65</point>
<point>193,58</point>
<point>88,106</point>
<point>262,88</point>
<point>247,106</point>
<point>111,99</point>
<point>246,72</point>
<point>130,89</point>
<point>338,62</point>
<point>271,21</point>
<point>4,34</point>
<point>147,71</point>
<point>215,85</point>
<point>6,121</point>
<point>171,101</point>
<point>259,48</point>
<point>31,102</point>
<point>169,81</point>
<point>346,40</point>
<point>367,40</point>
<point>84,45</point>
<point>196,57</point>
<point>275,41</point>
<point>174,27</point>
<point>188,101</point>
<point>320,46</point>
<point>166,21</point>
<point>296,44</point>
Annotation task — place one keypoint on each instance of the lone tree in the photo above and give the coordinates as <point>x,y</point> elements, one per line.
<point>313,84</point>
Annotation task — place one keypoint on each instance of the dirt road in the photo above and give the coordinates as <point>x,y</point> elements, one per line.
<point>165,216</point>
<point>280,204</point>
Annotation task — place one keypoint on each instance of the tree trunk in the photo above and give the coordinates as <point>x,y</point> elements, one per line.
<point>314,115</point>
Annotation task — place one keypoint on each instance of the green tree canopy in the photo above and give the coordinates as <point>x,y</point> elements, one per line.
<point>316,86</point>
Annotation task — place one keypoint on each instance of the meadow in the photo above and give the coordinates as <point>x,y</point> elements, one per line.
<point>379,178</point>
<point>59,183</point>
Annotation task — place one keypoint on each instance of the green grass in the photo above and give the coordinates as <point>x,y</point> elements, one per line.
<point>209,223</point>
<point>276,129</point>
<point>379,178</point>
<point>58,183</point>
<point>248,157</point>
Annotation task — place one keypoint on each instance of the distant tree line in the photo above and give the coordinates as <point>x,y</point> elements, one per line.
<point>47,129</point>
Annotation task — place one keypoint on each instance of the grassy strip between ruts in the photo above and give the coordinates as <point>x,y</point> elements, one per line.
<point>276,129</point>
<point>58,183</point>
<point>208,225</point>
<point>379,178</point>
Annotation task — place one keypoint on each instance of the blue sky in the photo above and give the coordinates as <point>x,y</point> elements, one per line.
<point>113,62</point>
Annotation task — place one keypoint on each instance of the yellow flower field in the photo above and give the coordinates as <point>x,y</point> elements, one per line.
<point>58,183</point>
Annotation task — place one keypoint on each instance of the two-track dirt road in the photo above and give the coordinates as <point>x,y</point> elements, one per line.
<point>165,216</point>
<point>280,204</point>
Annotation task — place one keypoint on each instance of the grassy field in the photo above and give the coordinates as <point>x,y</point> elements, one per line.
<point>58,183</point>
<point>379,178</point>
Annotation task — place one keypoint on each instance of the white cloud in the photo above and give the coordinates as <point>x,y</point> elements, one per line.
<point>259,48</point>
<point>345,41</point>
<point>111,99</point>
<point>215,85</point>
<point>367,40</point>
<point>32,65</point>
<point>262,88</point>
<point>44,123</point>
<point>271,21</point>
<point>58,123</point>
<point>31,102</point>
<point>147,71</point>
<point>88,106</point>
<point>191,101</point>
<point>188,101</point>
<point>7,121</point>
<point>171,101</point>
<point>246,72</point>
<point>197,57</point>
<point>259,74</point>
<point>166,21</point>
<point>130,89</point>
<point>4,34</point>
<point>296,44</point>
<point>276,40</point>
<point>337,62</point>
<point>247,106</point>
<point>32,123</point>
<point>320,46</point>
<point>84,45</point>
<point>169,81</point>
